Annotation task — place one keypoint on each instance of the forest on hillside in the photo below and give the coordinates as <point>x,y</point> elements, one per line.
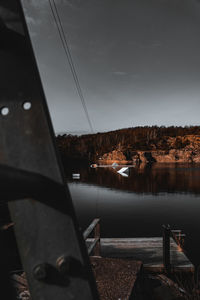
<point>91,146</point>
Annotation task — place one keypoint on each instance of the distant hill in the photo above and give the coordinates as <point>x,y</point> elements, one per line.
<point>131,144</point>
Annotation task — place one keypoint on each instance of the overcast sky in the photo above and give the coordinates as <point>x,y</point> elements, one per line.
<point>138,62</point>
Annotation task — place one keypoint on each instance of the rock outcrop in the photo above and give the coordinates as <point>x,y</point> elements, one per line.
<point>184,149</point>
<point>116,156</point>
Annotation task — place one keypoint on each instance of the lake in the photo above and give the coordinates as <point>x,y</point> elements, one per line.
<point>139,204</point>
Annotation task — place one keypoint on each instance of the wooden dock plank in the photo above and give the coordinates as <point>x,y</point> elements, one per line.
<point>147,250</point>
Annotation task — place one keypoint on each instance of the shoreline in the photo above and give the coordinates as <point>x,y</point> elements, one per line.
<point>151,156</point>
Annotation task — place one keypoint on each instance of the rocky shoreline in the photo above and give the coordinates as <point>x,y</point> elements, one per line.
<point>190,153</point>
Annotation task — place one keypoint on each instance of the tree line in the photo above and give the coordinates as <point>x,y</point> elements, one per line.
<point>92,146</point>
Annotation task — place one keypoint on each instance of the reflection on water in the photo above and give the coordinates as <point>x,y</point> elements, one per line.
<point>139,204</point>
<point>151,179</point>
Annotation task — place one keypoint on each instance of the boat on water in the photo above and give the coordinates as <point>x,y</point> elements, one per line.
<point>124,171</point>
<point>76,176</point>
<point>93,166</point>
<point>114,165</point>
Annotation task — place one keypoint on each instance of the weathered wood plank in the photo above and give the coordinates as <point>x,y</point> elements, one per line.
<point>92,245</point>
<point>136,242</point>
<point>147,250</point>
<point>90,228</point>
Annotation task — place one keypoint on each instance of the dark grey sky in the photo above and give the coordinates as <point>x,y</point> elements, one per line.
<point>138,61</point>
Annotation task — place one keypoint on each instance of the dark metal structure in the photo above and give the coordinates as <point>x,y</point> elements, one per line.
<point>51,246</point>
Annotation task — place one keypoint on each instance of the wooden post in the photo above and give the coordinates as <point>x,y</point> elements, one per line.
<point>166,248</point>
<point>97,248</point>
<point>181,238</point>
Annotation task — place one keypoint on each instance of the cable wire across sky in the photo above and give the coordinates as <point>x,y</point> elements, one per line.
<point>64,41</point>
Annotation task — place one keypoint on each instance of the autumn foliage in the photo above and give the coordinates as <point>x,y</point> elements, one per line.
<point>92,146</point>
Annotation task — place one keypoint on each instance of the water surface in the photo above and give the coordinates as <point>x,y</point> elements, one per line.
<point>138,205</point>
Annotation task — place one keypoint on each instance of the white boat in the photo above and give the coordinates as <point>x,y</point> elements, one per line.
<point>93,166</point>
<point>123,171</point>
<point>76,176</point>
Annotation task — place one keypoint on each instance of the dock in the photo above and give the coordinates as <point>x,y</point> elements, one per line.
<point>147,250</point>
<point>157,254</point>
<point>116,166</point>
<point>120,264</point>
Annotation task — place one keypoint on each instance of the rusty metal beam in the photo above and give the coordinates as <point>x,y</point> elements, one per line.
<point>51,246</point>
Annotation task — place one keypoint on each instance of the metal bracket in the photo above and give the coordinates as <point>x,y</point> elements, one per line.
<point>51,246</point>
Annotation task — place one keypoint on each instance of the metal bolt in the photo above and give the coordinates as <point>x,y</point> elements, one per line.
<point>40,271</point>
<point>63,264</point>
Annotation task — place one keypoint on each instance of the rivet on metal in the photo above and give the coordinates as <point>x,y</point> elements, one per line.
<point>63,264</point>
<point>40,271</point>
<point>27,105</point>
<point>4,111</point>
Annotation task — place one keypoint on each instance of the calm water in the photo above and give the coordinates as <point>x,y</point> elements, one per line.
<point>139,204</point>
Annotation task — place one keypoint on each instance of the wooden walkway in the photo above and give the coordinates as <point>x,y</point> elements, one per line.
<point>147,250</point>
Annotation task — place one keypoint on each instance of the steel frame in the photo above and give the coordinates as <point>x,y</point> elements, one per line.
<point>50,243</point>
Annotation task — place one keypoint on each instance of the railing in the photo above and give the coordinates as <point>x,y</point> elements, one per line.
<point>179,239</point>
<point>95,243</point>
